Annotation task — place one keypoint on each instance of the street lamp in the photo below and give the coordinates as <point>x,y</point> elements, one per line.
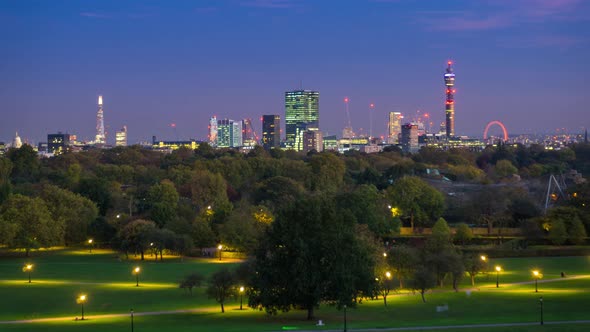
<point>388,275</point>
<point>536,275</point>
<point>219,247</point>
<point>28,268</point>
<point>241,293</point>
<point>541,303</point>
<point>81,300</point>
<point>345,318</point>
<point>498,269</point>
<point>136,271</point>
<point>90,241</point>
<point>131,320</point>
<point>384,255</point>
<point>483,258</point>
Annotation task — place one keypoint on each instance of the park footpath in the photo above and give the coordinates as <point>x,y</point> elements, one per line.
<point>409,328</point>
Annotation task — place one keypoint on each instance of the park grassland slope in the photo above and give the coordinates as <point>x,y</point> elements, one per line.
<point>59,277</point>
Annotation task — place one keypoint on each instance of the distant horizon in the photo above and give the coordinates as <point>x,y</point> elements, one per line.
<point>521,62</point>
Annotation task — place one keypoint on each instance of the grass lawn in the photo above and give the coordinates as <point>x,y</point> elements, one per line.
<point>60,276</point>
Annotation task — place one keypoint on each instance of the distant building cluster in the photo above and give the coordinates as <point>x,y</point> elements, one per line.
<point>303,133</point>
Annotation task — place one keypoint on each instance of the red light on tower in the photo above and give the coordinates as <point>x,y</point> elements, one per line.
<point>346,99</point>
<point>372,105</point>
<point>173,125</point>
<point>450,62</point>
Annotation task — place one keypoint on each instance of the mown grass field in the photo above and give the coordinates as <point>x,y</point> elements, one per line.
<point>60,276</point>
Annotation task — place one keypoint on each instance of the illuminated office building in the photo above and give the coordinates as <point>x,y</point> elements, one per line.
<point>58,143</point>
<point>409,138</point>
<point>121,137</point>
<point>395,127</point>
<point>271,131</point>
<point>301,114</point>
<point>100,133</point>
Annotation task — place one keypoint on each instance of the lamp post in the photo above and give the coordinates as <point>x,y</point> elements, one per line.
<point>136,271</point>
<point>28,268</point>
<point>131,320</point>
<point>536,275</point>
<point>241,293</point>
<point>81,300</point>
<point>498,269</point>
<point>219,247</point>
<point>541,303</point>
<point>483,258</point>
<point>90,241</point>
<point>345,318</point>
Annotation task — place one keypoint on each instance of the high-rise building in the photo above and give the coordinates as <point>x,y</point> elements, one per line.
<point>100,134</point>
<point>229,133</point>
<point>224,133</point>
<point>271,131</point>
<point>58,143</point>
<point>249,138</point>
<point>409,139</point>
<point>312,140</point>
<point>301,114</point>
<point>236,134</point>
<point>121,137</point>
<point>395,127</point>
<point>450,102</point>
<point>212,136</point>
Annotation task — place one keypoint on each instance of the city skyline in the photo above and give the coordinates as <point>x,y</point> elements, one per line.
<point>519,62</point>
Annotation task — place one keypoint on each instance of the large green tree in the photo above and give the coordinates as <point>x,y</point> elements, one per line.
<point>74,211</point>
<point>416,200</point>
<point>26,223</point>
<point>312,253</point>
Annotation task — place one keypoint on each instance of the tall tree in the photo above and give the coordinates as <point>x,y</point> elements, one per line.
<point>312,253</point>
<point>417,200</point>
<point>26,223</point>
<point>221,286</point>
<point>5,184</point>
<point>75,211</point>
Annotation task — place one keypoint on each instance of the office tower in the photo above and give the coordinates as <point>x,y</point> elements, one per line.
<point>248,135</point>
<point>212,135</point>
<point>301,114</point>
<point>450,102</point>
<point>271,131</point>
<point>229,133</point>
<point>224,130</point>
<point>58,143</point>
<point>312,140</point>
<point>121,137</point>
<point>16,142</point>
<point>236,134</point>
<point>409,139</point>
<point>395,127</point>
<point>100,134</point>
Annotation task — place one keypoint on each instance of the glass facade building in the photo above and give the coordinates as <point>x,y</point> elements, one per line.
<point>301,114</point>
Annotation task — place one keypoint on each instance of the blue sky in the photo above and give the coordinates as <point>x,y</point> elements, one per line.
<point>522,62</point>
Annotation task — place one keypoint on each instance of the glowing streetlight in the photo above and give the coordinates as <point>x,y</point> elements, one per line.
<point>241,293</point>
<point>90,242</point>
<point>536,275</point>
<point>81,300</point>
<point>388,275</point>
<point>219,247</point>
<point>136,271</point>
<point>385,255</point>
<point>498,269</point>
<point>28,268</point>
<point>483,258</point>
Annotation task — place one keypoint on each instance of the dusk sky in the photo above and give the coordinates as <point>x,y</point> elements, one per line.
<point>525,63</point>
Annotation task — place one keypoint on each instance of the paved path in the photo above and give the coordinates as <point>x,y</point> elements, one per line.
<point>454,327</point>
